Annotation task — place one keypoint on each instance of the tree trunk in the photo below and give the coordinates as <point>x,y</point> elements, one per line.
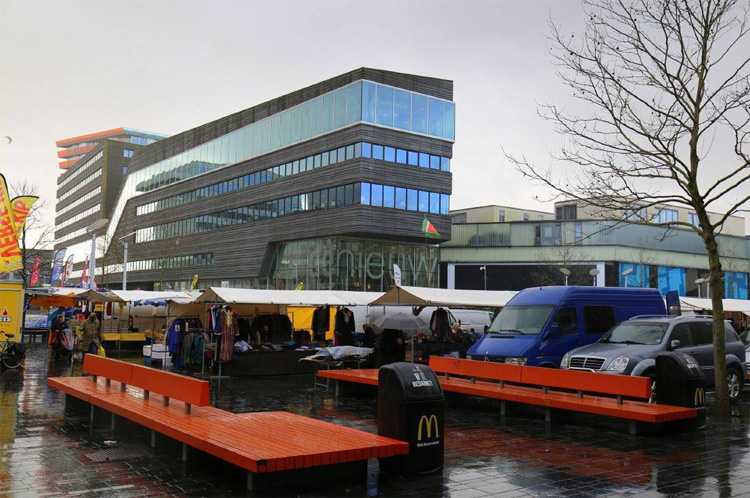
<point>720,350</point>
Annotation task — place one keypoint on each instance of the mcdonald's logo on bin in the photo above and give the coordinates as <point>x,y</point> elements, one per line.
<point>699,397</point>
<point>430,421</point>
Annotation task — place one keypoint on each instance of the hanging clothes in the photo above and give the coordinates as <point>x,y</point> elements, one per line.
<point>199,346</point>
<point>439,324</point>
<point>344,327</point>
<point>229,331</point>
<point>321,321</point>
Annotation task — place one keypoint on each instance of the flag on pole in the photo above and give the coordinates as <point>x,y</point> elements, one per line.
<point>34,279</point>
<point>67,270</point>
<point>429,229</point>
<point>21,207</point>
<point>397,274</point>
<point>195,281</point>
<point>10,252</point>
<point>84,277</point>
<point>57,265</point>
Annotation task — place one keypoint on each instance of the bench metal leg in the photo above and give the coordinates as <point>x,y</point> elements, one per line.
<point>123,388</point>
<point>337,388</point>
<point>548,415</point>
<point>502,408</point>
<point>91,416</point>
<point>112,422</point>
<point>184,452</point>
<point>146,395</point>
<point>153,438</point>
<point>633,428</point>
<point>250,480</point>
<point>107,382</point>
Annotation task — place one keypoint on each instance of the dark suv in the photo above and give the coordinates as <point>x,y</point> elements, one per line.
<point>630,348</point>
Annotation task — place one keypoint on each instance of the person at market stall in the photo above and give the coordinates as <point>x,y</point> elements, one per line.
<point>91,336</point>
<point>56,330</point>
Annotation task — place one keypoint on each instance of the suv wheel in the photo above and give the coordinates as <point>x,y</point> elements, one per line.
<point>734,384</point>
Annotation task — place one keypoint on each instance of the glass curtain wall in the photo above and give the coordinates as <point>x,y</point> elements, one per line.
<point>353,264</point>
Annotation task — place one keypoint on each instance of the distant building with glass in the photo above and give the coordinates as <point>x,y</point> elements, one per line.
<point>531,251</point>
<point>74,149</point>
<point>327,187</point>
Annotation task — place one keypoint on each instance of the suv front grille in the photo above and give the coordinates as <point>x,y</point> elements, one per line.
<point>586,362</point>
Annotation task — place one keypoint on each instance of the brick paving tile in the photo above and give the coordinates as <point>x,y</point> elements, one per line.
<point>44,453</point>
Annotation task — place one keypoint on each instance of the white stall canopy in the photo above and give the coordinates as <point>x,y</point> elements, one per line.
<point>730,305</point>
<point>457,298</point>
<point>77,292</point>
<point>287,297</point>
<point>131,296</point>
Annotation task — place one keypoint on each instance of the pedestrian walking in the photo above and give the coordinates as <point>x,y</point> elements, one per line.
<point>91,337</point>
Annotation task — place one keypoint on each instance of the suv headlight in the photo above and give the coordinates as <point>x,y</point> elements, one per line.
<point>515,361</point>
<point>565,361</point>
<point>619,364</point>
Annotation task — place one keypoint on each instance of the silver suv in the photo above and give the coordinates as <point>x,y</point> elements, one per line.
<point>631,347</point>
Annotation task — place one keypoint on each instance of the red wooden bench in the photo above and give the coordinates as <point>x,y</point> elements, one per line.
<point>595,393</point>
<point>262,443</point>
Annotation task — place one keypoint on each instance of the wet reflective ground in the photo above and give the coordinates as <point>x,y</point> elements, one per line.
<point>43,453</point>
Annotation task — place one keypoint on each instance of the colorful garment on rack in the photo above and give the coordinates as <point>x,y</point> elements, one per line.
<point>229,331</point>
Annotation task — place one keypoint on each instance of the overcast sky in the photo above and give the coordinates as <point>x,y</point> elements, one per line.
<point>72,67</point>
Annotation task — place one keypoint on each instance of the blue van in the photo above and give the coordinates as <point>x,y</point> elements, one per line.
<point>539,325</point>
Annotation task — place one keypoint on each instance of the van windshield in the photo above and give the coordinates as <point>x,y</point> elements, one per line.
<point>635,333</point>
<point>527,320</point>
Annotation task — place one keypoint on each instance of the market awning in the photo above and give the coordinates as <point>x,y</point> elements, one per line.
<point>730,305</point>
<point>427,296</point>
<point>286,297</point>
<point>134,296</point>
<point>78,293</point>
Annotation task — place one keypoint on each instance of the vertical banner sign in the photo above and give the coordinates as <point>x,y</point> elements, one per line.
<point>195,281</point>
<point>34,279</point>
<point>84,277</point>
<point>21,207</point>
<point>57,265</point>
<point>10,252</point>
<point>68,270</point>
<point>397,274</point>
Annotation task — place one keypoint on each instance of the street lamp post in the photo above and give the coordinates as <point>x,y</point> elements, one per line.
<point>484,269</point>
<point>92,230</point>
<point>699,281</point>
<point>125,260</point>
<point>625,274</point>
<point>594,272</point>
<point>565,272</point>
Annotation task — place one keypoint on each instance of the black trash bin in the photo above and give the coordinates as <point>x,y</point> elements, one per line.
<point>681,382</point>
<point>410,408</point>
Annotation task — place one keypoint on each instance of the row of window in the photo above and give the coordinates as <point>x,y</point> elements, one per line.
<point>78,217</point>
<point>374,194</point>
<point>127,152</point>
<point>331,198</point>
<point>331,111</point>
<point>80,170</point>
<point>353,151</point>
<point>71,235</point>
<point>155,264</point>
<point>80,200</point>
<point>83,183</point>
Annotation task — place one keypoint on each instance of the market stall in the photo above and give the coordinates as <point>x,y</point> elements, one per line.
<point>272,344</point>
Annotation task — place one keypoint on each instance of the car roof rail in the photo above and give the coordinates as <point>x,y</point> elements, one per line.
<point>651,316</point>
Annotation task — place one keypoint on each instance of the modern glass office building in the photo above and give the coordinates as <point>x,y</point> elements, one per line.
<point>318,187</point>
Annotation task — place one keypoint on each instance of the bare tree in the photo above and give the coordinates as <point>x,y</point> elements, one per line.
<point>665,88</point>
<point>36,234</point>
<point>557,257</point>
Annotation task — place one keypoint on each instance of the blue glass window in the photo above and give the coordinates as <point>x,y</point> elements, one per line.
<point>366,149</point>
<point>316,164</point>
<point>445,204</point>
<point>340,109</point>
<point>419,113</point>
<point>358,149</point>
<point>353,103</point>
<point>445,164</point>
<point>434,162</point>
<point>450,121</point>
<point>390,154</point>
<point>332,198</point>
<point>385,106</point>
<point>401,156</point>
<point>349,152</point>
<point>327,117</point>
<point>295,167</point>
<point>411,199</point>
<point>671,279</point>
<point>324,159</point>
<point>402,109</point>
<point>377,152</point>
<point>377,195</point>
<point>424,201</point>
<point>364,197</point>
<point>368,102</point>
<point>309,165</point>
<point>424,160</point>
<point>341,154</point>
<point>324,199</point>
<point>413,158</point>
<point>357,194</point>
<point>316,201</point>
<point>348,191</point>
<point>400,198</point>
<point>434,203</point>
<point>435,118</point>
<point>389,196</point>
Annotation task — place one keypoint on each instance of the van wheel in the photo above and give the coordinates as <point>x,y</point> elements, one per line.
<point>652,377</point>
<point>734,384</point>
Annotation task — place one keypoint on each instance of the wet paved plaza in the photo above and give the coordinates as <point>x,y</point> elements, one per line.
<point>43,453</point>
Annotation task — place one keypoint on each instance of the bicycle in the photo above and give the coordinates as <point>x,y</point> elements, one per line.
<point>12,354</point>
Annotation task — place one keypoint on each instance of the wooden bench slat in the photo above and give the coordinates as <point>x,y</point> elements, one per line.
<point>477,369</point>
<point>622,385</point>
<point>108,368</point>
<point>174,386</point>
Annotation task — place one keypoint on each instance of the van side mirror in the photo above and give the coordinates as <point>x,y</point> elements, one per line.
<point>486,329</point>
<point>459,322</point>
<point>674,344</point>
<point>551,333</point>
